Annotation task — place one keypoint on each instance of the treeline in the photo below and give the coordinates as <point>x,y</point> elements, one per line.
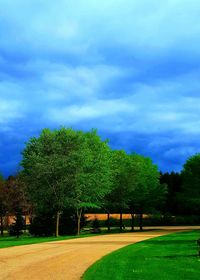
<point>67,172</point>
<point>183,195</point>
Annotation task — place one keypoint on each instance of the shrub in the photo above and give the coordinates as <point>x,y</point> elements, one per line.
<point>68,222</point>
<point>96,226</point>
<point>42,225</point>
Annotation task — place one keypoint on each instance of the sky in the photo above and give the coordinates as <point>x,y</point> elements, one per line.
<point>129,68</point>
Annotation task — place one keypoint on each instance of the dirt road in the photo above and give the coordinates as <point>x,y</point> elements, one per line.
<point>67,260</point>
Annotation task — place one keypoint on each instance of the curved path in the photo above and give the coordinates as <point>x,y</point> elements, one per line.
<point>67,260</point>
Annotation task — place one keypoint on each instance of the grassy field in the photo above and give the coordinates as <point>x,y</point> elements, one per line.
<point>171,257</point>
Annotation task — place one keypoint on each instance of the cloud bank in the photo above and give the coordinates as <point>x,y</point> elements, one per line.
<point>128,68</point>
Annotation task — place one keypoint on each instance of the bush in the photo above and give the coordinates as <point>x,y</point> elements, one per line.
<point>96,226</point>
<point>42,225</point>
<point>68,222</point>
<point>187,220</point>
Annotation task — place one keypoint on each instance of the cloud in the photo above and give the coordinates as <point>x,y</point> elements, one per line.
<point>98,109</point>
<point>9,111</point>
<point>129,68</point>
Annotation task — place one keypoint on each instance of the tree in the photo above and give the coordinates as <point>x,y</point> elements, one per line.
<point>190,195</point>
<point>173,181</point>
<point>3,202</point>
<point>16,229</point>
<point>16,196</point>
<point>92,174</point>
<point>119,196</point>
<point>145,190</point>
<point>66,168</point>
<point>12,197</point>
<point>49,164</point>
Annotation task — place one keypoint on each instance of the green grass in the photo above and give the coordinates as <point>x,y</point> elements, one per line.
<point>171,257</point>
<point>26,239</point>
<point>9,241</point>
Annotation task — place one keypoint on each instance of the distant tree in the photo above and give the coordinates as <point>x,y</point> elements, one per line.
<point>16,196</point>
<point>119,197</point>
<point>146,192</point>
<point>190,195</point>
<point>96,226</point>
<point>16,203</point>
<point>12,197</point>
<point>3,202</point>
<point>173,181</point>
<point>16,229</point>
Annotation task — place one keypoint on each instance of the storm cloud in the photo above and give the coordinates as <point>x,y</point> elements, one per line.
<point>128,68</point>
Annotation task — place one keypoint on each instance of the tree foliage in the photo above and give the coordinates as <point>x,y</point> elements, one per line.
<point>3,202</point>
<point>49,166</point>
<point>173,182</point>
<point>70,169</point>
<point>92,176</point>
<point>190,195</point>
<point>145,190</point>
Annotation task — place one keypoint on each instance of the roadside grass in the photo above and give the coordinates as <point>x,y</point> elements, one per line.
<point>26,239</point>
<point>9,241</point>
<point>171,257</point>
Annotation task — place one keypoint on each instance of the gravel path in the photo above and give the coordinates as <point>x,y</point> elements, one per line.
<point>67,260</point>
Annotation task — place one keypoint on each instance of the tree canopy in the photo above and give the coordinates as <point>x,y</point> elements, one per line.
<point>190,195</point>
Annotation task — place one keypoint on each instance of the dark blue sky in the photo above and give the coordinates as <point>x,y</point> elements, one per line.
<point>129,68</point>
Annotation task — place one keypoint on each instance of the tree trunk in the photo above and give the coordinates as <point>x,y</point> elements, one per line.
<point>108,221</point>
<point>79,213</point>
<point>141,220</point>
<point>132,222</point>
<point>25,223</point>
<point>121,221</point>
<point>57,223</point>
<point>1,225</point>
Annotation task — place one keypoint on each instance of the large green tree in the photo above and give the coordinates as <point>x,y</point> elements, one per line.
<point>48,169</point>
<point>66,168</point>
<point>92,174</point>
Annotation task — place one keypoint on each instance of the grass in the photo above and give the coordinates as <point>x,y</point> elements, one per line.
<point>26,239</point>
<point>171,257</point>
<point>9,241</point>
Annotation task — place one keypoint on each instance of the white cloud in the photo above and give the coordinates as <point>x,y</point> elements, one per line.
<point>9,111</point>
<point>83,82</point>
<point>98,109</point>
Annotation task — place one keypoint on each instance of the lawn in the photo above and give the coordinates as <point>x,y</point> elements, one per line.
<point>171,257</point>
<point>25,239</point>
<point>9,241</point>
